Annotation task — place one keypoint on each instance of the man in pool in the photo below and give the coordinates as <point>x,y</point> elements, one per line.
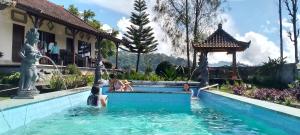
<point>186,88</point>
<point>94,98</point>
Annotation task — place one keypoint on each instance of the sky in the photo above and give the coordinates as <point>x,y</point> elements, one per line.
<point>246,20</point>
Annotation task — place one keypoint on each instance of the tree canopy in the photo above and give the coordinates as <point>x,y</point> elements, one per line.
<point>186,21</point>
<point>107,47</point>
<point>140,34</point>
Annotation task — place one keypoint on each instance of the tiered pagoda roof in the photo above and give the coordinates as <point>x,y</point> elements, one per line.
<point>221,41</point>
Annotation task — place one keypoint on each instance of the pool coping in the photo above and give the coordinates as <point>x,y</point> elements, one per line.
<point>264,104</point>
<point>152,92</point>
<point>168,83</point>
<point>13,103</point>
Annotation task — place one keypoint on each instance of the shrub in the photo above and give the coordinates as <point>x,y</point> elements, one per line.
<point>170,74</point>
<point>162,67</point>
<point>239,90</point>
<point>12,78</point>
<point>152,77</point>
<point>90,78</point>
<point>148,70</point>
<point>268,75</point>
<point>56,82</point>
<point>73,69</point>
<point>70,81</point>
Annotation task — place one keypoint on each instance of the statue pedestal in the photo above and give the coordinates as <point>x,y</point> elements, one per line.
<point>26,94</point>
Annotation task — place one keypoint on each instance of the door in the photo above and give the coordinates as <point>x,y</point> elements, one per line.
<point>17,42</point>
<point>70,46</point>
<point>69,51</point>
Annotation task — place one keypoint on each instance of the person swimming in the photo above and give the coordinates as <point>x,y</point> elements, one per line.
<point>127,86</point>
<point>94,98</point>
<point>187,88</point>
<point>115,84</point>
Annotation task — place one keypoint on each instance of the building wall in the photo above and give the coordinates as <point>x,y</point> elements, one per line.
<point>6,32</point>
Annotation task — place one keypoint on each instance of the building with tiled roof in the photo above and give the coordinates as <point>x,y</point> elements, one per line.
<point>76,38</point>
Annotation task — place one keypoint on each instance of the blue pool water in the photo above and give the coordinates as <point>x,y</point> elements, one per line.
<point>203,117</point>
<point>200,120</point>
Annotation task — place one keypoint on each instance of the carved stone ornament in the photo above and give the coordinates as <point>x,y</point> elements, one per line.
<point>81,35</point>
<point>18,16</point>
<point>88,36</point>
<point>50,25</point>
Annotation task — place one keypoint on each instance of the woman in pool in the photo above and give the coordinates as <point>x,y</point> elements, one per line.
<point>115,84</point>
<point>94,98</point>
<point>127,86</point>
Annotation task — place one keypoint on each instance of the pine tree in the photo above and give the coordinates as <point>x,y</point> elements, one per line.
<point>139,35</point>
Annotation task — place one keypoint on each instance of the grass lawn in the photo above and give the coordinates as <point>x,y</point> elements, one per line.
<point>226,89</point>
<point>4,98</point>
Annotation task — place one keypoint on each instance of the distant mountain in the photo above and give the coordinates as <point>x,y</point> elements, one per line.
<point>127,60</point>
<point>225,63</point>
<point>220,64</point>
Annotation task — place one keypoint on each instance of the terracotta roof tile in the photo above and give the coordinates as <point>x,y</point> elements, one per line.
<point>221,40</point>
<point>52,10</point>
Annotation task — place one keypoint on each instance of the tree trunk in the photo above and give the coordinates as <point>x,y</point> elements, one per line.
<point>194,60</point>
<point>137,62</point>
<point>295,36</point>
<point>187,37</point>
<point>196,40</point>
<point>280,29</point>
<point>117,54</point>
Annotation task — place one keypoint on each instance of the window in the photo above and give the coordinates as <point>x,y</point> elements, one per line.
<point>84,48</point>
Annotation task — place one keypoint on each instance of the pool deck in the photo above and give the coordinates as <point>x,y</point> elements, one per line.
<point>12,103</point>
<point>265,104</point>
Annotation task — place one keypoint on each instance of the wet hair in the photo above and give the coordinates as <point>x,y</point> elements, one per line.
<point>186,84</point>
<point>95,90</point>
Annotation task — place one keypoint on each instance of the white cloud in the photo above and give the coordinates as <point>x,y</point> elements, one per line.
<point>163,44</point>
<point>123,23</point>
<point>121,6</point>
<point>107,28</point>
<point>260,49</point>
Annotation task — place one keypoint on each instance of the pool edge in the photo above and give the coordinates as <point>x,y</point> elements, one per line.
<point>290,111</point>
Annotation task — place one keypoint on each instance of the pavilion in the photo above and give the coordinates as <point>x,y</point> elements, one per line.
<point>219,41</point>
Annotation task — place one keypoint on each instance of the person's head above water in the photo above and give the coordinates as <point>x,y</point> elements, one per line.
<point>186,87</point>
<point>95,90</point>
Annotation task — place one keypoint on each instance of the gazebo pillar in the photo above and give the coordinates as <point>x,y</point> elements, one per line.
<point>234,69</point>
<point>117,53</point>
<point>203,69</point>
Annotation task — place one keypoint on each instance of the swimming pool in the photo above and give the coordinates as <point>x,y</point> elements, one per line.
<point>202,118</point>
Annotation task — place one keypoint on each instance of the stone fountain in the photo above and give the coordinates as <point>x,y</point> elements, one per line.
<point>30,56</point>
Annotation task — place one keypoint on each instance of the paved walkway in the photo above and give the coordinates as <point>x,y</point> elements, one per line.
<point>11,103</point>
<point>265,104</point>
